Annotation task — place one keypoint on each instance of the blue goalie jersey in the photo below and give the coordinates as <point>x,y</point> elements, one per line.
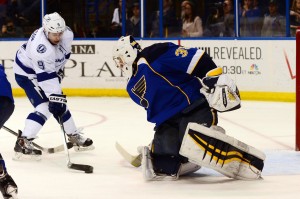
<point>164,80</point>
<point>5,85</point>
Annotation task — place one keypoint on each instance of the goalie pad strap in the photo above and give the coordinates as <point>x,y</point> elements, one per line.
<point>225,154</point>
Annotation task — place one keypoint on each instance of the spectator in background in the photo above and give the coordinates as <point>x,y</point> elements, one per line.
<point>294,17</point>
<point>183,4</point>
<point>274,24</point>
<point>14,12</point>
<point>170,23</point>
<point>256,7</point>
<point>228,19</point>
<point>3,5</point>
<point>250,20</point>
<point>214,23</point>
<point>116,24</point>
<point>192,24</point>
<point>10,30</point>
<point>134,23</point>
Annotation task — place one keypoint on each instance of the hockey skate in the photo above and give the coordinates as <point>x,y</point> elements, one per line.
<point>8,187</point>
<point>24,149</point>
<point>80,142</point>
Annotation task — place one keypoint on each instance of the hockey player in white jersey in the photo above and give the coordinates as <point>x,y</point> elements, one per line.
<point>38,69</point>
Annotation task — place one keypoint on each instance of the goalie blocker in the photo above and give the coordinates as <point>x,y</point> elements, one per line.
<point>210,148</point>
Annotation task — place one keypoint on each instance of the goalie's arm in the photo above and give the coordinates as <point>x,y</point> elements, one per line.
<point>203,66</point>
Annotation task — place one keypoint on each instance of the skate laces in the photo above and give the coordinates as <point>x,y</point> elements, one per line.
<point>28,144</point>
<point>77,137</point>
<point>79,131</point>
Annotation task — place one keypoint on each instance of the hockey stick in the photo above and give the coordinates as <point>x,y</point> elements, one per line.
<point>46,150</point>
<point>134,160</point>
<point>70,165</point>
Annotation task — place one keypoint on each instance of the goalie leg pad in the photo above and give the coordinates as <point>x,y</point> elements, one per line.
<point>147,168</point>
<point>227,155</point>
<point>188,168</point>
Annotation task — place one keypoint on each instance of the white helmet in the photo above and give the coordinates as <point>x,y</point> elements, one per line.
<point>54,23</point>
<point>124,54</point>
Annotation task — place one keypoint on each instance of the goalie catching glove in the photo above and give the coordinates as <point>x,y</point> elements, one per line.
<point>57,104</point>
<point>220,91</point>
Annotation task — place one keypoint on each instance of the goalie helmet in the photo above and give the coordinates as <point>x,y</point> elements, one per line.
<point>124,54</point>
<point>54,23</point>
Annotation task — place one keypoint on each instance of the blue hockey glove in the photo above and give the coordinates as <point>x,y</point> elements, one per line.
<point>57,104</point>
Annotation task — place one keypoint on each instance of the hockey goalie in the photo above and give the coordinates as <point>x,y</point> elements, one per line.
<point>183,91</point>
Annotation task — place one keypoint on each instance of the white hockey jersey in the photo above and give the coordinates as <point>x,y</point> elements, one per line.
<point>39,59</point>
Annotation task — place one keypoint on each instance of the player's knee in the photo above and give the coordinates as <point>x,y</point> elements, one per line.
<point>166,164</point>
<point>165,157</point>
<point>43,111</point>
<point>166,141</point>
<point>165,150</point>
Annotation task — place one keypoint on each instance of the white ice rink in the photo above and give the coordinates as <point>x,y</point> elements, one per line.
<point>267,126</point>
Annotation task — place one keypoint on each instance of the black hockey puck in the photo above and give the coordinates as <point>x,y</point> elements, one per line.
<point>90,169</point>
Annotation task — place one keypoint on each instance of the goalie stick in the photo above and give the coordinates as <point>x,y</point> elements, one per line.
<point>70,165</point>
<point>44,149</point>
<point>134,160</point>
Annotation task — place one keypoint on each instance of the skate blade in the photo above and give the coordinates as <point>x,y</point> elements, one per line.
<point>12,191</point>
<point>23,157</point>
<point>80,148</point>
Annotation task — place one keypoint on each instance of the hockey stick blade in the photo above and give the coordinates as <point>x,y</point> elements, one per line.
<point>44,149</point>
<point>81,167</point>
<point>134,160</point>
<point>70,165</point>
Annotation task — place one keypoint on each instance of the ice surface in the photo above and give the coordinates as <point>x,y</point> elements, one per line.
<point>267,126</point>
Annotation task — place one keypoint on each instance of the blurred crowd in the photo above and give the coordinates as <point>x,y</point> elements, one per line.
<point>184,18</point>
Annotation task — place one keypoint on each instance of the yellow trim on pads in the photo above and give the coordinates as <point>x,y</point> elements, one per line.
<point>214,72</point>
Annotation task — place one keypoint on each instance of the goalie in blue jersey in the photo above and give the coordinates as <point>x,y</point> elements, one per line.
<point>8,186</point>
<point>182,90</point>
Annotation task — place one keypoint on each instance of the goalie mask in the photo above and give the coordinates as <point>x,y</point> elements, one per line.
<point>124,54</point>
<point>53,23</point>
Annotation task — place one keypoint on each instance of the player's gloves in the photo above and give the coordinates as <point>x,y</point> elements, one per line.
<point>57,104</point>
<point>220,91</point>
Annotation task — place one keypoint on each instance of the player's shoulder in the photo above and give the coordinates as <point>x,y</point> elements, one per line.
<point>154,51</point>
<point>40,45</point>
